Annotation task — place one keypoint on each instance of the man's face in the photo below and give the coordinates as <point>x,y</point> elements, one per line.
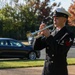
<point>59,21</point>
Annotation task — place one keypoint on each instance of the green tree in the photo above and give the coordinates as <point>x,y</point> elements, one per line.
<point>21,18</point>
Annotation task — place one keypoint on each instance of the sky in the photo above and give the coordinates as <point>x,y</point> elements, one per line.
<point>64,3</point>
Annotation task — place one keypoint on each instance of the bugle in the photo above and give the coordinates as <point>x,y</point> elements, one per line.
<point>34,33</point>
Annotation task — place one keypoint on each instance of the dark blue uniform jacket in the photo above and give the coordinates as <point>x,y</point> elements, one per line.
<point>57,47</point>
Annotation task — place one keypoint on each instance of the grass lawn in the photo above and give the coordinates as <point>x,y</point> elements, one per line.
<point>27,63</point>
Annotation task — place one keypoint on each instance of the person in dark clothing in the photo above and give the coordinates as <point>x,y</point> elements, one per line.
<point>57,44</point>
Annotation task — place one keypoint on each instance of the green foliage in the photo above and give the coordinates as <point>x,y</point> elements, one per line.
<point>16,21</point>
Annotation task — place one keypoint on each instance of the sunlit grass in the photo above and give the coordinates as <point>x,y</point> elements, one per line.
<point>71,61</point>
<point>27,63</point>
<point>20,63</point>
<point>26,43</point>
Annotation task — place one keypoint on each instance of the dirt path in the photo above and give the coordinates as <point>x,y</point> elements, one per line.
<point>31,71</point>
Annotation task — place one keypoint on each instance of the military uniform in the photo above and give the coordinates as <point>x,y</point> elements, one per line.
<point>57,47</point>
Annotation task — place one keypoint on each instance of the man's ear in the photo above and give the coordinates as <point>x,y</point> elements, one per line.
<point>65,20</point>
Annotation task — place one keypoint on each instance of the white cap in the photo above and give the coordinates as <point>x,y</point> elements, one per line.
<point>62,10</point>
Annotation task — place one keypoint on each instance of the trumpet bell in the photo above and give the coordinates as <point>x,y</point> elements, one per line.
<point>28,34</point>
<point>34,33</point>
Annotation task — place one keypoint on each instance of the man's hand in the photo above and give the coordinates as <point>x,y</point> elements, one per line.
<point>45,32</point>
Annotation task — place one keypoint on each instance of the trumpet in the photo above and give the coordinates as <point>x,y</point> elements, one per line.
<point>34,33</point>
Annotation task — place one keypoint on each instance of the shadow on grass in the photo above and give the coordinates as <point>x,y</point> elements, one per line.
<point>16,59</point>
